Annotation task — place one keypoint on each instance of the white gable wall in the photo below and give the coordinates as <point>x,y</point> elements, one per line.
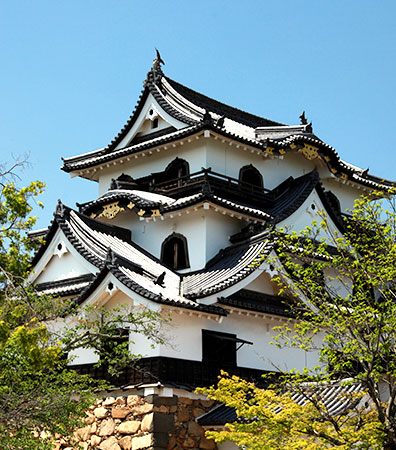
<point>58,264</point>
<point>308,213</point>
<point>263,284</point>
<point>150,103</point>
<point>60,268</point>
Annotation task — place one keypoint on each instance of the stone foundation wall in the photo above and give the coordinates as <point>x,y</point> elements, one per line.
<point>135,422</point>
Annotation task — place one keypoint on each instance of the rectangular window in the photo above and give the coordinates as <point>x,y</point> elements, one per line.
<point>219,348</point>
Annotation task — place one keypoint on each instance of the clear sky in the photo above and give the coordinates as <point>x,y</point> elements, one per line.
<point>72,71</point>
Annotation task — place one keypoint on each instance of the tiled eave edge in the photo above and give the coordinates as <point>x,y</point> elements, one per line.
<point>244,272</point>
<point>135,287</point>
<point>311,149</point>
<point>65,287</point>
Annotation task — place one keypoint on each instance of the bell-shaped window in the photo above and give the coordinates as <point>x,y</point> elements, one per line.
<point>176,170</point>
<point>174,252</point>
<point>334,202</point>
<point>249,174</point>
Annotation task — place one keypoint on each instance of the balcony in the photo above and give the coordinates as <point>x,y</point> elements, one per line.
<point>216,182</point>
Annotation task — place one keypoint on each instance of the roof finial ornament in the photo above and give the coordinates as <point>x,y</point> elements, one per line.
<point>160,280</point>
<point>158,61</point>
<point>303,119</point>
<point>207,118</point>
<point>60,209</point>
<point>220,122</point>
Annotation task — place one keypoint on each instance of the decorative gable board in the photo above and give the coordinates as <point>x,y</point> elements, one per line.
<point>60,261</point>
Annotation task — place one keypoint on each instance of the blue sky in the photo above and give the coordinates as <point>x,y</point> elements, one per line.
<point>72,72</point>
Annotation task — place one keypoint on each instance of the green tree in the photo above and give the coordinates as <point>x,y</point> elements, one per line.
<point>343,290</point>
<point>39,396</point>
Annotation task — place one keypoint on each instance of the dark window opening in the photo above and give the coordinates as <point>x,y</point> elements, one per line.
<point>334,202</point>
<point>177,169</point>
<point>219,348</point>
<point>174,252</point>
<point>249,174</point>
<point>154,123</point>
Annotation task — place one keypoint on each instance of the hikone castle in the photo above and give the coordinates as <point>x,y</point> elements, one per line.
<point>189,191</point>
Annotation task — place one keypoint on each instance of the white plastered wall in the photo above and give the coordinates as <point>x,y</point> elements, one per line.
<point>228,160</point>
<point>185,341</point>
<point>194,153</point>
<point>345,194</point>
<point>206,232</point>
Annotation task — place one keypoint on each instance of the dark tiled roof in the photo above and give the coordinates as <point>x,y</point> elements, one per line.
<point>116,195</point>
<point>188,106</point>
<point>257,301</point>
<point>104,155</point>
<point>65,287</point>
<point>336,398</point>
<point>132,276</point>
<point>229,267</point>
<point>218,416</point>
<point>219,108</point>
<point>109,248</point>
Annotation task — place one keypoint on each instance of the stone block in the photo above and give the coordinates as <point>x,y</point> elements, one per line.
<point>171,443</point>
<point>207,444</point>
<point>198,412</point>
<point>120,413</point>
<point>189,443</point>
<point>183,415</point>
<point>148,422</point>
<point>125,443</point>
<point>129,427</point>
<point>141,442</point>
<point>83,434</point>
<point>206,403</point>
<point>110,444</point>
<point>100,413</point>
<point>138,410</point>
<point>94,428</point>
<point>121,401</point>
<point>163,409</point>
<point>194,429</point>
<point>95,440</point>
<point>109,401</point>
<point>90,419</point>
<point>107,427</point>
<point>134,400</point>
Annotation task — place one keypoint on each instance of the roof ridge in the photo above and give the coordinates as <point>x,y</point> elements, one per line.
<point>176,85</point>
